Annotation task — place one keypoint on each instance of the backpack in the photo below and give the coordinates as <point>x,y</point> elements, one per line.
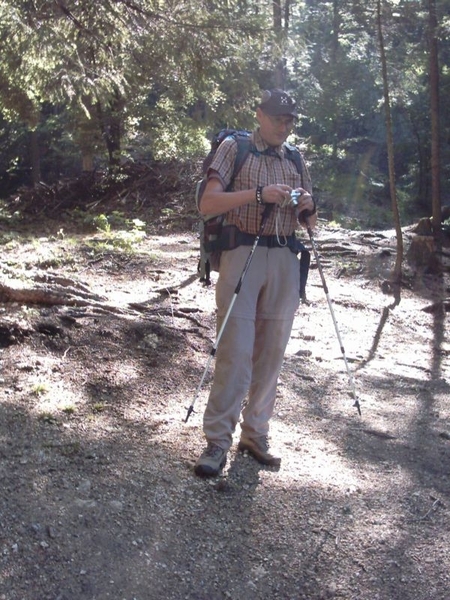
<point>210,226</point>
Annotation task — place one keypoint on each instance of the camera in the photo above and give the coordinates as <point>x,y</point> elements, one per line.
<point>294,197</point>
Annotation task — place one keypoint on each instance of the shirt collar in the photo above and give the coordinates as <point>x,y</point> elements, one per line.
<point>262,147</point>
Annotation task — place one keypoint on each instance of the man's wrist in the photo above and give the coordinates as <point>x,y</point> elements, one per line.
<point>259,198</point>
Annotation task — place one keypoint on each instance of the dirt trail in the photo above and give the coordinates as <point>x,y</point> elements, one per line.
<point>98,499</point>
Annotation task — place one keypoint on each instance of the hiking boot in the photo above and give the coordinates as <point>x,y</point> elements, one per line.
<point>259,449</point>
<point>211,461</point>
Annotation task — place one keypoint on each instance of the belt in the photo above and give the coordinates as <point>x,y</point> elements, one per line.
<point>232,237</point>
<point>268,241</point>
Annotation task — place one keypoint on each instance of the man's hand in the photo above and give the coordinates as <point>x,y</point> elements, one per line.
<point>277,193</point>
<point>306,208</point>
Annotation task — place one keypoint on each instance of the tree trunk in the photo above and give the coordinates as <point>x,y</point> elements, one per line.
<point>435,117</point>
<point>110,119</point>
<point>87,135</point>
<point>278,30</point>
<point>35,157</point>
<point>334,60</point>
<point>87,162</point>
<point>397,273</point>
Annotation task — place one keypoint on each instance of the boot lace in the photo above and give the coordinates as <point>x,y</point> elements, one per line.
<point>213,450</point>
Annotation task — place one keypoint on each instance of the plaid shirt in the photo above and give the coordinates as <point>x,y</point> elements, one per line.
<point>265,167</point>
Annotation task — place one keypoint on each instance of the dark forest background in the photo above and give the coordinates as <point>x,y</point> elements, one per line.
<point>93,86</point>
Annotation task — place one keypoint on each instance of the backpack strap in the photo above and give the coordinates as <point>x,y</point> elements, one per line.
<point>293,153</point>
<point>244,146</point>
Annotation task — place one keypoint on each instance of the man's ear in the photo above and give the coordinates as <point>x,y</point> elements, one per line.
<point>259,115</point>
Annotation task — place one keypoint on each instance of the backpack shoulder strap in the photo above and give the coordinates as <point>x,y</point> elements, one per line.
<point>244,146</point>
<point>293,153</point>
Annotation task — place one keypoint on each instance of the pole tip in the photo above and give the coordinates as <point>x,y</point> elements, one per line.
<point>358,406</point>
<point>189,413</point>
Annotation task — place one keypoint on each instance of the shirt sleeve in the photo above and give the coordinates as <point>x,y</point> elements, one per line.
<point>222,165</point>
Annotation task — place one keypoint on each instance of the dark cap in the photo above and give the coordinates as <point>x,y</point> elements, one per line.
<point>276,103</point>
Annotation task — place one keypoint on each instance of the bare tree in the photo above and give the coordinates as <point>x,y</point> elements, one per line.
<point>278,31</point>
<point>397,272</point>
<point>435,118</point>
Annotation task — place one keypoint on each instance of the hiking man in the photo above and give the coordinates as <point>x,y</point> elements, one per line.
<point>251,350</point>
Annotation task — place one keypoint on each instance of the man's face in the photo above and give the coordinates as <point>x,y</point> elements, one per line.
<point>274,130</point>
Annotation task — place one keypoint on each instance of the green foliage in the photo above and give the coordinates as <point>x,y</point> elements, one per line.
<point>446,226</point>
<point>155,73</point>
<point>40,389</point>
<point>121,233</point>
<point>48,418</point>
<point>6,216</point>
<point>107,80</point>
<point>178,140</point>
<point>117,220</point>
<point>102,223</point>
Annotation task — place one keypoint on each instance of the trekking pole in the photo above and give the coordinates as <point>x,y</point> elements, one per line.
<point>325,287</point>
<point>264,217</point>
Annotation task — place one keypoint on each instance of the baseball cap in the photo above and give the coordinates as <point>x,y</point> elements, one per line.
<point>277,102</point>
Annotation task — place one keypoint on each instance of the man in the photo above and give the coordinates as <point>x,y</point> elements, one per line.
<point>251,350</point>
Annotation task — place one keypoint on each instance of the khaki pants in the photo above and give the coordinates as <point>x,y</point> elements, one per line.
<point>251,350</point>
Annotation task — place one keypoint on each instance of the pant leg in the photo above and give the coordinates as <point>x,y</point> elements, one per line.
<point>251,350</point>
<point>233,360</point>
<point>271,340</point>
<point>231,381</point>
<point>277,305</point>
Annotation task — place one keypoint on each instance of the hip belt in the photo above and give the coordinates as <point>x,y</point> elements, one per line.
<point>232,237</point>
<point>268,241</point>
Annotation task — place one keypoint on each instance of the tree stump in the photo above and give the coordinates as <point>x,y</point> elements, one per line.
<point>420,250</point>
<point>422,253</point>
<point>424,226</point>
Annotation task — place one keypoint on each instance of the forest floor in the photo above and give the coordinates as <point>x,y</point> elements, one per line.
<point>98,499</point>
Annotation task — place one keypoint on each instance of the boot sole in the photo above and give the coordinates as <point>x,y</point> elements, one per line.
<point>207,471</point>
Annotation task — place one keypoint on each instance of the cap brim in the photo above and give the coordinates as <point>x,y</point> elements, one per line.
<point>278,112</point>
